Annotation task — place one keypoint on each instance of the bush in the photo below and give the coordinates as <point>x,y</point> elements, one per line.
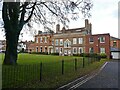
<point>89,55</point>
<point>103,55</point>
<point>43,53</point>
<point>54,54</point>
<point>76,54</point>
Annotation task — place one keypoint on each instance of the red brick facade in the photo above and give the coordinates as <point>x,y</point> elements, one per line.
<point>72,41</point>
<point>97,45</point>
<point>115,43</point>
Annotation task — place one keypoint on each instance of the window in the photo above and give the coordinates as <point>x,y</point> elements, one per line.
<point>102,50</point>
<point>36,49</point>
<point>80,50</point>
<point>91,50</point>
<point>74,40</point>
<point>56,42</point>
<point>80,40</point>
<point>52,41</point>
<point>61,49</point>
<point>74,50</point>
<point>61,42</point>
<point>56,50</point>
<point>45,39</point>
<point>102,39</point>
<point>91,40</point>
<point>45,49</point>
<point>67,44</point>
<point>114,44</point>
<point>40,49</point>
<point>36,40</point>
<point>40,39</point>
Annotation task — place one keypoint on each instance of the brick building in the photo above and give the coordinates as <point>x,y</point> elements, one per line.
<point>115,47</point>
<point>43,43</point>
<point>71,41</point>
<point>98,43</point>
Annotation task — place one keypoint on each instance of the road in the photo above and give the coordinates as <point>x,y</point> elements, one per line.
<point>107,77</point>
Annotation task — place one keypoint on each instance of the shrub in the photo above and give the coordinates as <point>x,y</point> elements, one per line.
<point>89,55</point>
<point>103,55</point>
<point>76,54</point>
<point>43,53</point>
<point>54,54</point>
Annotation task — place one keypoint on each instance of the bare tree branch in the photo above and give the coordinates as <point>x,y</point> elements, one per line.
<point>33,7</point>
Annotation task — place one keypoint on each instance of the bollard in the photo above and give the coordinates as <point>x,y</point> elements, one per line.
<point>75,64</point>
<point>41,71</point>
<point>83,62</point>
<point>62,67</point>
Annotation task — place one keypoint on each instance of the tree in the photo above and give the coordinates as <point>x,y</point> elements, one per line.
<point>17,14</point>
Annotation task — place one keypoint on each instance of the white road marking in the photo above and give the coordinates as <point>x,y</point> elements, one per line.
<point>73,81</point>
<point>83,81</point>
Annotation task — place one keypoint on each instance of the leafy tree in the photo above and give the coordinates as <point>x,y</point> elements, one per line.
<point>17,14</point>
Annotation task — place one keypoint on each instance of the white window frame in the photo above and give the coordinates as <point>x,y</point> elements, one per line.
<point>61,42</point>
<point>36,48</point>
<point>41,39</point>
<point>36,39</point>
<point>52,41</point>
<point>73,50</point>
<point>56,48</point>
<point>100,38</point>
<point>45,48</point>
<point>67,44</point>
<point>91,41</point>
<point>102,50</point>
<point>45,39</point>
<point>90,50</point>
<point>74,40</point>
<point>79,50</point>
<point>41,49</point>
<point>57,42</point>
<point>80,40</point>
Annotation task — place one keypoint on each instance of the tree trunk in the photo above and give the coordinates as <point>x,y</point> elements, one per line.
<point>11,48</point>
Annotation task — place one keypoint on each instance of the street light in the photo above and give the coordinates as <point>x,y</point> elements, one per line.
<point>99,48</point>
<point>98,45</point>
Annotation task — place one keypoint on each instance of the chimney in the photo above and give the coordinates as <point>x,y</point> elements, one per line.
<point>57,28</point>
<point>63,29</point>
<point>86,23</point>
<point>39,32</point>
<point>90,28</point>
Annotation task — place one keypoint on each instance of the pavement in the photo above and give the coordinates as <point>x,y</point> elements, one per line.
<point>105,78</point>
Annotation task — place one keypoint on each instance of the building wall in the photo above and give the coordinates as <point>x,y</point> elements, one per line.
<point>40,45</point>
<point>117,43</point>
<point>68,37</point>
<point>96,44</point>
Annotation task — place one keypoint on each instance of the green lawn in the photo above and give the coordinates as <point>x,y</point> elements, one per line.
<point>27,72</point>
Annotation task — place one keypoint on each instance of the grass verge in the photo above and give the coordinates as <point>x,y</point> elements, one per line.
<point>27,73</point>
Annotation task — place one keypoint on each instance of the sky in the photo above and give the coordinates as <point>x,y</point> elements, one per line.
<point>104,19</point>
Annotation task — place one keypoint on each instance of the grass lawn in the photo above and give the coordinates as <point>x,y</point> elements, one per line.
<point>27,73</point>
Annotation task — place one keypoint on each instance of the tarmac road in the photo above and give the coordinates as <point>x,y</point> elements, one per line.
<point>107,77</point>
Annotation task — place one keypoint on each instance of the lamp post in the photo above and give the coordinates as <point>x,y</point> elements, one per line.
<point>98,45</point>
<point>99,48</point>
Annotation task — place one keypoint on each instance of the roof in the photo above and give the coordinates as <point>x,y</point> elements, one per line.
<point>114,38</point>
<point>99,34</point>
<point>114,49</point>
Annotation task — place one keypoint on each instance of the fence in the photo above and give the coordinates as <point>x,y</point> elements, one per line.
<point>21,75</point>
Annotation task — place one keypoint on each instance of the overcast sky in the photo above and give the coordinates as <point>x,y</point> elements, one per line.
<point>104,19</point>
